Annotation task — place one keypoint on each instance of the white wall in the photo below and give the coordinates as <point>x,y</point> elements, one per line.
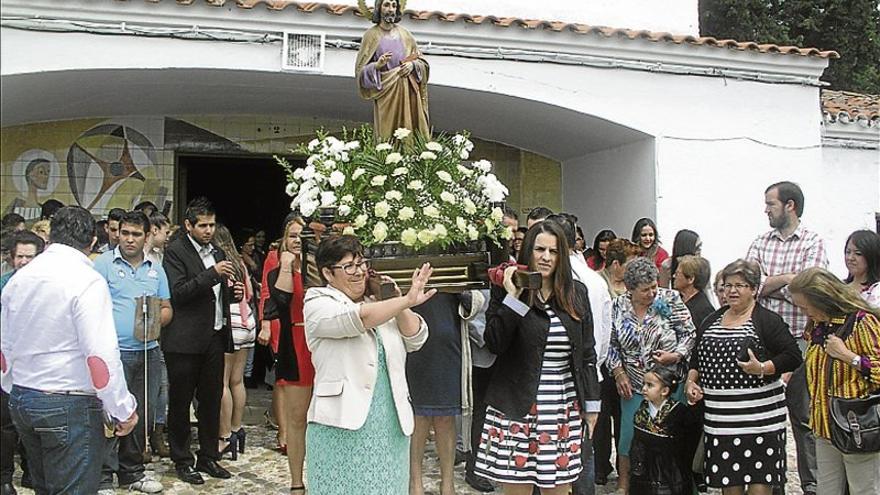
<point>610,189</point>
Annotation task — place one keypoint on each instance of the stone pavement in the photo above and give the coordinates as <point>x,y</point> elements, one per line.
<point>263,471</point>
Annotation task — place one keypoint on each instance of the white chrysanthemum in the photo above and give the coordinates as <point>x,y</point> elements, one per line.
<point>458,139</point>
<point>469,207</point>
<point>426,236</point>
<point>490,224</point>
<point>343,210</point>
<point>381,209</point>
<point>378,180</point>
<point>434,146</point>
<point>393,158</point>
<point>473,233</point>
<point>493,189</point>
<point>329,164</point>
<point>313,144</point>
<point>308,172</point>
<point>328,198</point>
<point>427,155</point>
<point>335,145</point>
<point>444,176</point>
<point>464,154</point>
<point>383,147</point>
<point>484,166</point>
<point>308,207</point>
<point>464,170</point>
<point>337,178</point>
<point>380,231</point>
<point>348,230</point>
<point>431,211</point>
<point>406,213</point>
<point>440,231</point>
<point>447,197</point>
<point>360,220</point>
<point>462,224</point>
<point>409,237</point>
<point>343,156</point>
<point>352,145</point>
<point>402,133</point>
<point>415,185</point>
<point>393,195</point>
<point>291,189</point>
<point>399,171</point>
<point>358,172</point>
<point>507,234</point>
<point>348,198</point>
<point>496,214</point>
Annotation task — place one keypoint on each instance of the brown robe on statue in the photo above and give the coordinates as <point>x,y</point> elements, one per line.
<point>401,101</point>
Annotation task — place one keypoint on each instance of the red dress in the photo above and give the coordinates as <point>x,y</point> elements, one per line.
<point>300,358</point>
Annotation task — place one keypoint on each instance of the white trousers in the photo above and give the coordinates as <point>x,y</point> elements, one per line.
<point>836,470</point>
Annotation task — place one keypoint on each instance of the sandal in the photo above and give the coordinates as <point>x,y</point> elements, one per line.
<point>281,447</point>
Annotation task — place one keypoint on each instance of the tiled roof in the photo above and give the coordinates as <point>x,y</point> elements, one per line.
<point>850,107</point>
<point>554,26</point>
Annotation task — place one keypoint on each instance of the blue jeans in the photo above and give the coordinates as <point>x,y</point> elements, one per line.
<point>162,401</point>
<point>125,455</point>
<point>64,439</point>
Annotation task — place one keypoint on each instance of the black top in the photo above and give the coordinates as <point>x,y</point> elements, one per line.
<point>700,308</point>
<point>277,307</point>
<point>519,342</point>
<point>774,334</point>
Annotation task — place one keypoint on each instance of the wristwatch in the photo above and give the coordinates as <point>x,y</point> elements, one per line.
<point>856,361</point>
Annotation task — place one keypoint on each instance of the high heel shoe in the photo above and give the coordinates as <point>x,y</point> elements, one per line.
<point>231,446</point>
<point>241,435</point>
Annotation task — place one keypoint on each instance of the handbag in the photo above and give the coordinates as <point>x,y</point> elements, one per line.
<point>855,423</point>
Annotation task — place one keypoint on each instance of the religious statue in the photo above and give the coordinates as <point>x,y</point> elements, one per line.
<point>392,73</point>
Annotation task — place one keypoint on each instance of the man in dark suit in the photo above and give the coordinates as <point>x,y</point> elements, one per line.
<point>194,342</point>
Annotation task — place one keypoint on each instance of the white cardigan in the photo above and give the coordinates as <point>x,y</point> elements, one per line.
<point>344,354</point>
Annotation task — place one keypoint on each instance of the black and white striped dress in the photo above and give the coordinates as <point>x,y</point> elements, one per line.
<point>544,447</point>
<point>745,415</point>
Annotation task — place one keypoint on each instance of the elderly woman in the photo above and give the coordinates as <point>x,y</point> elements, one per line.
<point>862,257</point>
<point>742,351</point>
<point>360,417</point>
<point>844,334</point>
<point>649,325</point>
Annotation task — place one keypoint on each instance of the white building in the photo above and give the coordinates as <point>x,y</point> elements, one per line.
<point>106,103</point>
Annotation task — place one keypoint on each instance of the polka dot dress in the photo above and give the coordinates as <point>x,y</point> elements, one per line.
<point>745,414</point>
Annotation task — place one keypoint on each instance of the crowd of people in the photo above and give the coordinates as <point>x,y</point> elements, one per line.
<point>625,358</point>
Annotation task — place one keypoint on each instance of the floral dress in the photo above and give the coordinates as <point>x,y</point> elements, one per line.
<point>543,448</point>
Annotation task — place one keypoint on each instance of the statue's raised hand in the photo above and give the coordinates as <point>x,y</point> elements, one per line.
<point>417,293</point>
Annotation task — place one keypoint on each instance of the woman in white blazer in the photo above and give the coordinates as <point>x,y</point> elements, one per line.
<point>360,417</point>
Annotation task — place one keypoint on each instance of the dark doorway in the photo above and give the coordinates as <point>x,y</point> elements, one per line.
<point>247,191</point>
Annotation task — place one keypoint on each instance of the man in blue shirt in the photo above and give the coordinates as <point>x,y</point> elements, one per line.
<point>131,277</point>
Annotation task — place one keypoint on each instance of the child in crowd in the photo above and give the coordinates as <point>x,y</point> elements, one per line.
<point>659,424</point>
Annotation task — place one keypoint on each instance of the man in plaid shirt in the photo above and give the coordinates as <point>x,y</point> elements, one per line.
<point>782,253</point>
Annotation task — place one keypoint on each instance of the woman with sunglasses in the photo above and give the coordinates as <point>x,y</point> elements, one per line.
<point>360,418</point>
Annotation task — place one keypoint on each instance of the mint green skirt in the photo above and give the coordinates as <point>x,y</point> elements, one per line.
<point>373,460</point>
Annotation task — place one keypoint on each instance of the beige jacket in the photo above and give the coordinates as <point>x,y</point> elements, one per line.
<point>344,354</point>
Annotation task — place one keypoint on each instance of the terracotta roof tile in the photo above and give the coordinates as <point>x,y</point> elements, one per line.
<point>554,26</point>
<point>848,106</point>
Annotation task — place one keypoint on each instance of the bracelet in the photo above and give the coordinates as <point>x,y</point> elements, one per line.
<point>762,369</point>
<point>617,373</point>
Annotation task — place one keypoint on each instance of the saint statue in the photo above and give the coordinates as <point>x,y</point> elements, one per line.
<point>392,73</point>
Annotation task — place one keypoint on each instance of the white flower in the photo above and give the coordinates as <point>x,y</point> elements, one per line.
<point>440,231</point>
<point>336,145</point>
<point>469,207</point>
<point>319,177</point>
<point>337,178</point>
<point>427,155</point>
<point>434,146</point>
<point>383,147</point>
<point>313,144</point>
<point>426,236</point>
<point>378,180</point>
<point>458,139</point>
<point>431,211</point>
<point>329,164</point>
<point>484,166</point>
<point>490,224</point>
<point>447,197</point>
<point>360,220</point>
<point>357,173</point>
<point>381,209</point>
<point>312,160</point>
<point>399,171</point>
<point>308,172</point>
<point>464,155</point>
<point>415,185</point>
<point>348,198</point>
<point>461,223</point>
<point>393,158</point>
<point>473,233</point>
<point>444,176</point>
<point>409,237</point>
<point>348,230</point>
<point>507,234</point>
<point>343,156</point>
<point>380,231</point>
<point>308,207</point>
<point>406,213</point>
<point>291,189</point>
<point>352,145</point>
<point>493,189</point>
<point>343,210</point>
<point>298,174</point>
<point>328,198</point>
<point>402,133</point>
<point>393,195</point>
<point>464,170</point>
<point>308,188</point>
<point>496,214</point>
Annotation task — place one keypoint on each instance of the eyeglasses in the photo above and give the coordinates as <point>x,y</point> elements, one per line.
<point>738,287</point>
<point>352,268</point>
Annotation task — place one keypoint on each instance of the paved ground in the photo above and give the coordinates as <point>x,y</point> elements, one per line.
<point>262,470</point>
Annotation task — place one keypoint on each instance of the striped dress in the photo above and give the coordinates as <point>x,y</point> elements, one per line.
<point>542,448</point>
<point>745,415</point>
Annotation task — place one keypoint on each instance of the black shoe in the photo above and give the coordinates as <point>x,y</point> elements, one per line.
<point>188,474</point>
<point>601,479</point>
<point>460,457</point>
<point>478,483</point>
<point>212,469</point>
<point>7,489</point>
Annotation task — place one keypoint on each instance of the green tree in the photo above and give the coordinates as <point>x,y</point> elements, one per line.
<point>849,27</point>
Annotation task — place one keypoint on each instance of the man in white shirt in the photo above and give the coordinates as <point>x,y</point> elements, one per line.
<point>66,380</point>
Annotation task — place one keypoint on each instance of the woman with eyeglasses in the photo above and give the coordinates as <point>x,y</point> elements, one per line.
<point>742,350</point>
<point>360,418</point>
<point>281,303</point>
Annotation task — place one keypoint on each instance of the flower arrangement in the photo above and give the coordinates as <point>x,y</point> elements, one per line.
<point>411,190</point>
